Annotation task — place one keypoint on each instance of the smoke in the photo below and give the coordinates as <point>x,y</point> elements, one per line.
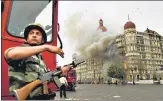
<point>111,56</point>
<point>81,30</point>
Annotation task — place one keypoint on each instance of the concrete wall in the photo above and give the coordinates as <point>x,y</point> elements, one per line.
<point>161,81</point>
<point>145,82</point>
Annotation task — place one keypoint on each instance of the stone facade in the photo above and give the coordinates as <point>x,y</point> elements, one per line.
<point>144,53</point>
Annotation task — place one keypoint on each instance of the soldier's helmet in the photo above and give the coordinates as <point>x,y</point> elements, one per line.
<point>35,26</point>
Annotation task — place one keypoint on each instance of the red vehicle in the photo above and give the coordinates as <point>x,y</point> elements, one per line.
<point>16,15</point>
<point>71,79</point>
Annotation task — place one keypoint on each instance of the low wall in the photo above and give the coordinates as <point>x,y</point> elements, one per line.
<point>145,82</point>
<point>161,82</point>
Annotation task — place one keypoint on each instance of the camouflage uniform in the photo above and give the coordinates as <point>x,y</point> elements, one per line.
<point>24,71</point>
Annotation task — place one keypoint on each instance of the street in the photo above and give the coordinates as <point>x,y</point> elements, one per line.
<point>113,92</point>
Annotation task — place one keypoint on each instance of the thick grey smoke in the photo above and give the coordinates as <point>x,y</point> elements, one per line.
<point>81,30</point>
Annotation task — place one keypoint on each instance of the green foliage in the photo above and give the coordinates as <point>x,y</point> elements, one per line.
<point>116,71</point>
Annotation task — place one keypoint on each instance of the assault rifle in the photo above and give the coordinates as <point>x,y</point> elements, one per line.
<point>24,92</point>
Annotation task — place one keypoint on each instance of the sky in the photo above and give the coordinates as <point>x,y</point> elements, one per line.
<point>114,14</point>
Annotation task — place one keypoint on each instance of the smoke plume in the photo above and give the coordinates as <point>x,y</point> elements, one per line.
<point>81,30</point>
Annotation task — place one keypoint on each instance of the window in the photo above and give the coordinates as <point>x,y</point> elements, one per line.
<point>138,48</point>
<point>143,55</point>
<point>25,12</point>
<point>131,48</point>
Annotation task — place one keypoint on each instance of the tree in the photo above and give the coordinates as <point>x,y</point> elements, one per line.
<point>116,71</point>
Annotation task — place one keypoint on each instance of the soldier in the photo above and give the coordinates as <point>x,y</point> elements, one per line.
<point>25,62</point>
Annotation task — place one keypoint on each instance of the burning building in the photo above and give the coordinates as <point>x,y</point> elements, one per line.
<point>141,52</point>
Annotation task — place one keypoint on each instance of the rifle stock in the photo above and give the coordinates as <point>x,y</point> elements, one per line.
<point>45,88</point>
<point>22,93</point>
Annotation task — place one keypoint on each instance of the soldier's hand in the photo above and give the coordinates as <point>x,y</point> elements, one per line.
<point>60,52</point>
<point>54,49</point>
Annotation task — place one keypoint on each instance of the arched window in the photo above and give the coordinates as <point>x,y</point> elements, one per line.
<point>137,77</point>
